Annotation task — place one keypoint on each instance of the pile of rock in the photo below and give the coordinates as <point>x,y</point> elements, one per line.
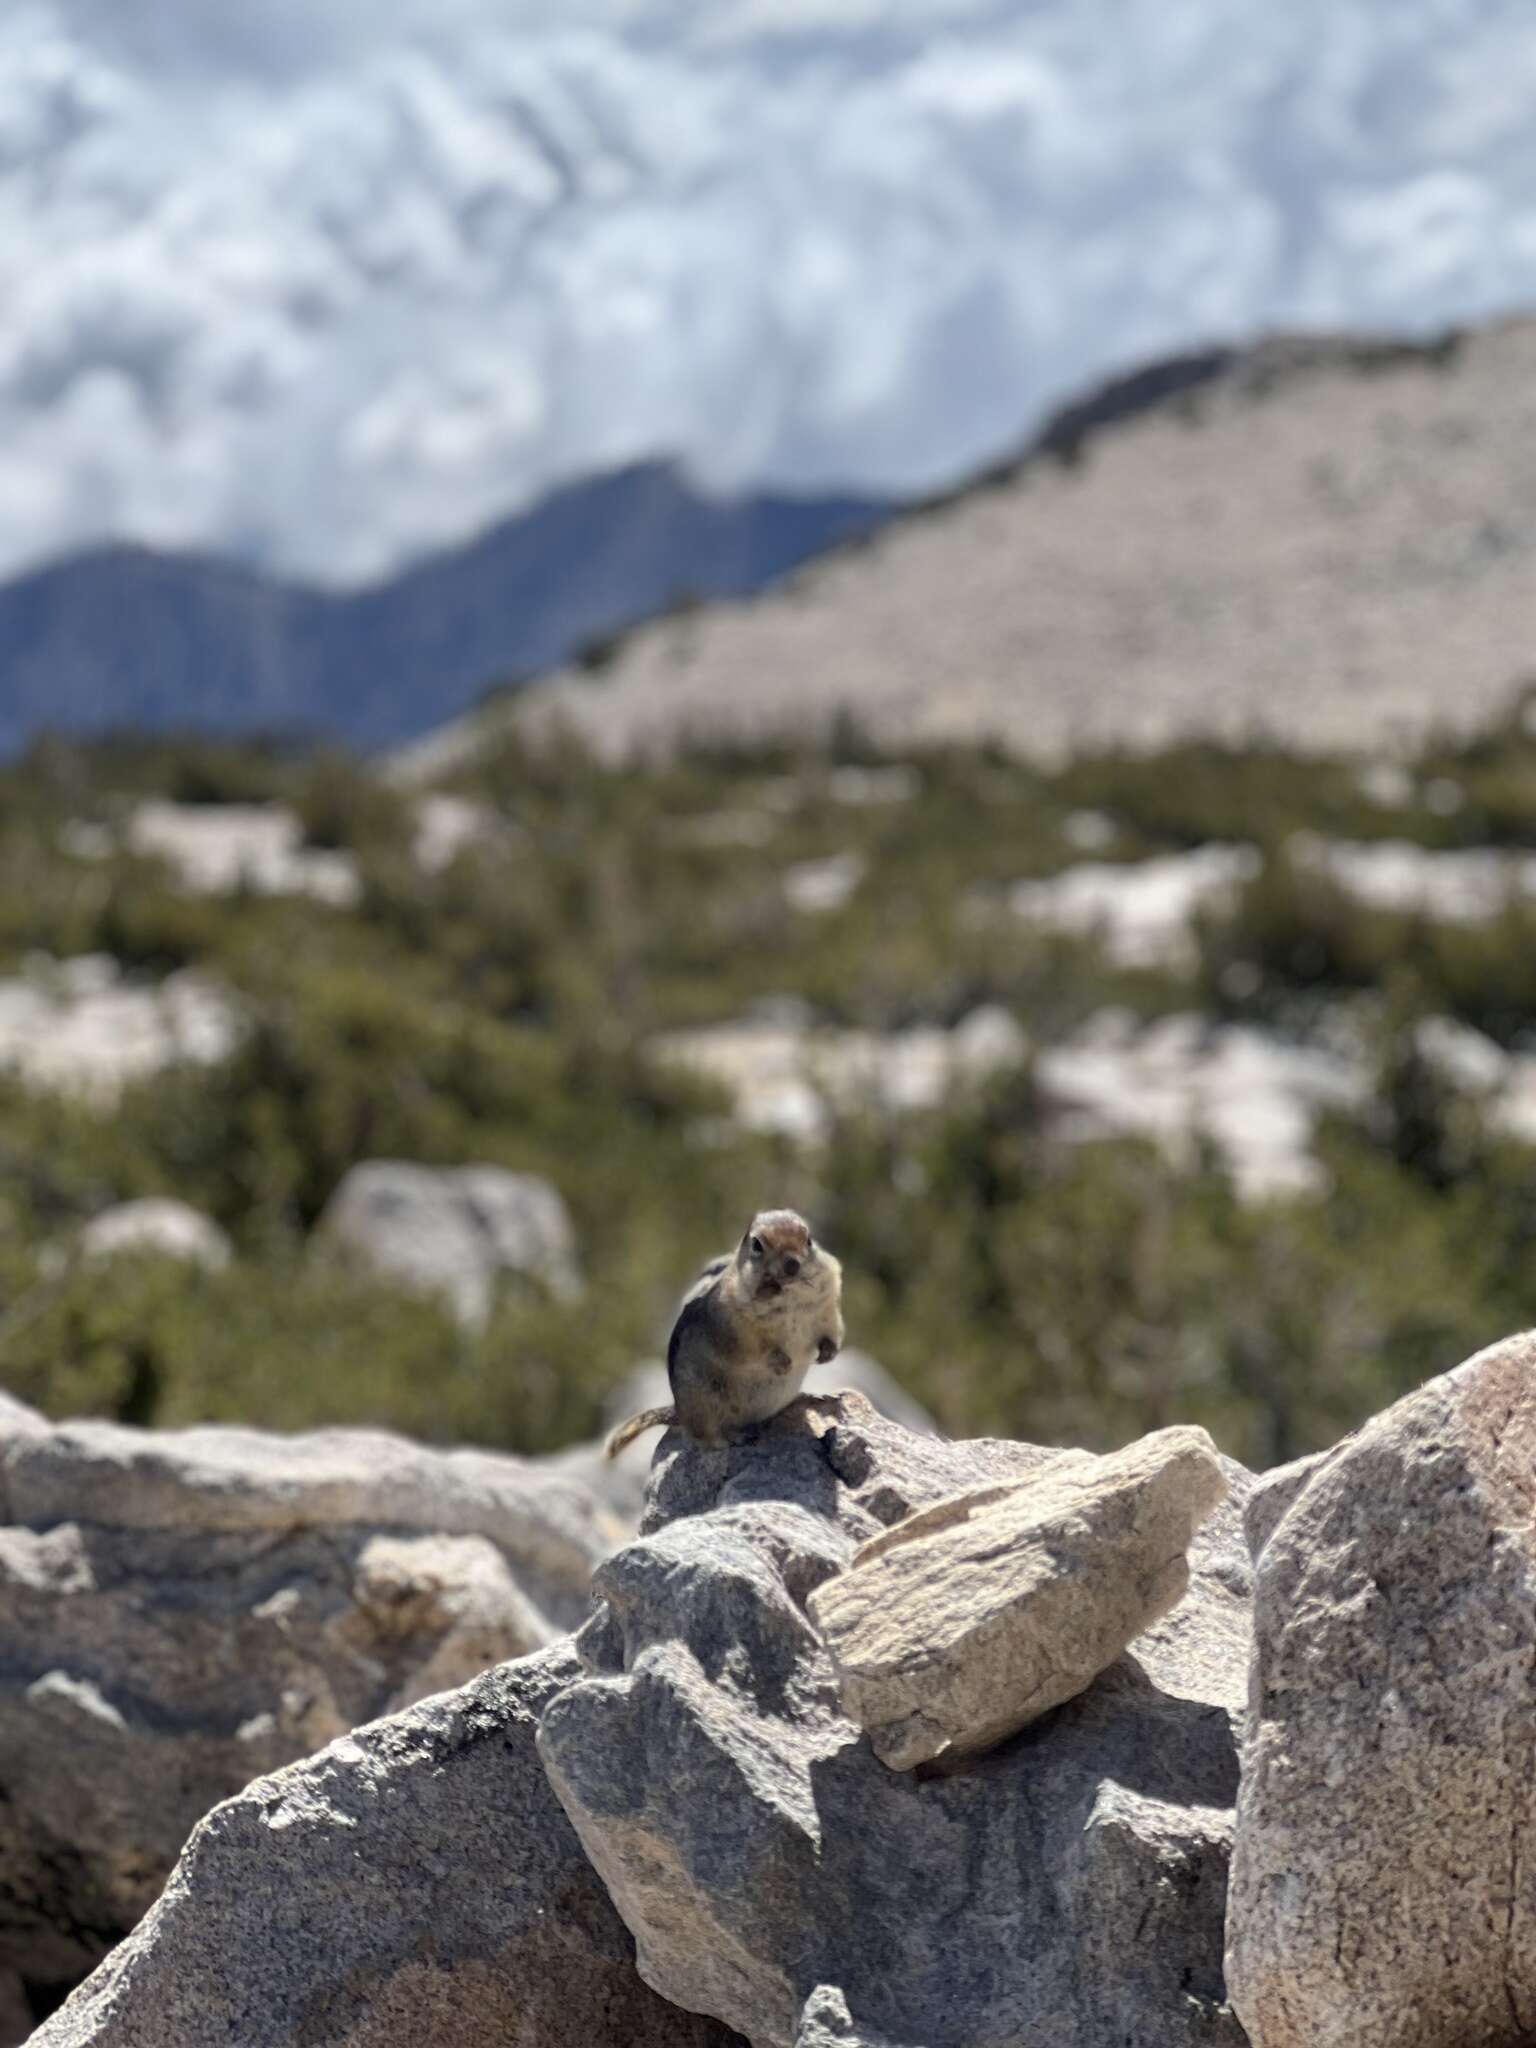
<point>777,1874</point>
<point>416,1882</point>
<point>874,1740</point>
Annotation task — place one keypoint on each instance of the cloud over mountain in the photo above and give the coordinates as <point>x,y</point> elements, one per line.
<point>329,287</point>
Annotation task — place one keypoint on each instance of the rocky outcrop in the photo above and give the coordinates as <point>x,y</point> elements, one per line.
<point>453,1230</point>
<point>785,1077</point>
<point>83,1027</point>
<point>1384,1887</point>
<point>170,1228</point>
<point>219,849</point>
<point>976,1616</point>
<point>414,1885</point>
<point>1190,1084</point>
<point>182,1611</point>
<point>177,1608</point>
<point>1069,1886</point>
<point>1144,913</point>
<point>447,826</point>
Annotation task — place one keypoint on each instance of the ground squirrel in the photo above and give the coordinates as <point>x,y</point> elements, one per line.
<point>749,1329</point>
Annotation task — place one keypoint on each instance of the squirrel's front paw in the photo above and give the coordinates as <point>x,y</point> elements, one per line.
<point>827,1350</point>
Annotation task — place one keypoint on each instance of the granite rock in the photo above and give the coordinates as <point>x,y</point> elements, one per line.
<point>181,1611</point>
<point>1383,1887</point>
<point>455,1231</point>
<point>1067,1886</point>
<point>977,1615</point>
<point>156,1224</point>
<point>414,1885</point>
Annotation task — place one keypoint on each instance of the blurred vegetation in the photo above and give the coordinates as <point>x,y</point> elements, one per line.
<point>499,1010</point>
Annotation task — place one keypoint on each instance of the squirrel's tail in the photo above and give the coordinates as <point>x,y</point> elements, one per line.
<point>648,1418</point>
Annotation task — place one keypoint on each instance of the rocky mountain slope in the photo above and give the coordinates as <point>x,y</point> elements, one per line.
<point>128,638</point>
<point>1333,543</point>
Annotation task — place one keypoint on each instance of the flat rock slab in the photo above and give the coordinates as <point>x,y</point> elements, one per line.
<point>1067,1887</point>
<point>1384,1881</point>
<point>412,1886</point>
<point>977,1615</point>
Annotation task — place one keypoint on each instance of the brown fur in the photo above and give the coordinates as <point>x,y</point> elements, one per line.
<point>748,1331</point>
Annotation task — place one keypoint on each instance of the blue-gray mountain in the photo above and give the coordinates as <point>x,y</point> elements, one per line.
<point>126,637</point>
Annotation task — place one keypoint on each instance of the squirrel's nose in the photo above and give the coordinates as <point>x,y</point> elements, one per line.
<point>791,1268</point>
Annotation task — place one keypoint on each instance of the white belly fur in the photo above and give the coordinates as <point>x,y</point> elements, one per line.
<point>795,1322</point>
<point>757,1393</point>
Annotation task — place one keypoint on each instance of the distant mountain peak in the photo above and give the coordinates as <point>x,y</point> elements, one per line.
<point>132,637</point>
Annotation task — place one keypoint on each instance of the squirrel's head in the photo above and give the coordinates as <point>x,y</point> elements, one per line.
<point>777,1251</point>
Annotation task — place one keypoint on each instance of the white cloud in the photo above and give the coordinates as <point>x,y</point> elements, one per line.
<point>333,285</point>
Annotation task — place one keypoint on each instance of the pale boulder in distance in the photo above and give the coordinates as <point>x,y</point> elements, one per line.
<point>1142,911</point>
<point>156,1224</point>
<point>219,849</point>
<point>787,1077</point>
<point>85,1027</point>
<point>453,1230</point>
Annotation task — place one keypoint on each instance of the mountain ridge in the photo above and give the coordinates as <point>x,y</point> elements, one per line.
<point>130,637</point>
<point>1328,541</point>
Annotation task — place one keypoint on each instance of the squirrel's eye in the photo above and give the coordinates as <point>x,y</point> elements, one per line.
<point>757,1247</point>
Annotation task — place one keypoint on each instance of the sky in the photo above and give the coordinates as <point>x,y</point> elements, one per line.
<point>326,285</point>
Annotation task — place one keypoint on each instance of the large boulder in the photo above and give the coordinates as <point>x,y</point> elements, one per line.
<point>1384,1885</point>
<point>1069,1886</point>
<point>980,1614</point>
<point>85,1027</point>
<point>159,1225</point>
<point>219,849</point>
<point>453,1230</point>
<point>414,1885</point>
<point>182,1611</point>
